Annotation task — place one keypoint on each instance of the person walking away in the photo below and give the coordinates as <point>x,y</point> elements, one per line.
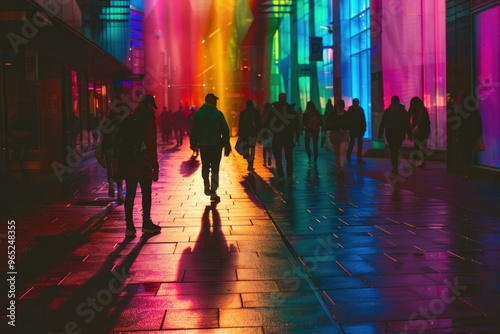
<point>285,124</point>
<point>135,149</point>
<point>266,135</point>
<point>165,125</point>
<point>179,120</point>
<point>395,124</point>
<point>210,134</point>
<point>357,130</point>
<point>313,123</point>
<point>420,127</point>
<point>338,124</point>
<point>328,110</point>
<point>248,129</point>
<point>108,131</point>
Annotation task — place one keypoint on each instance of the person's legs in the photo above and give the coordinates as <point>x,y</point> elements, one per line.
<point>129,205</point>
<point>289,160</point>
<point>215,157</point>
<point>360,148</point>
<point>146,192</point>
<point>205,168</point>
<point>277,151</point>
<point>394,148</point>
<point>307,143</point>
<point>315,138</point>
<point>342,154</point>
<point>350,147</point>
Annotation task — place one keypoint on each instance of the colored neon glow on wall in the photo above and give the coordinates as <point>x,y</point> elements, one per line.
<point>487,37</point>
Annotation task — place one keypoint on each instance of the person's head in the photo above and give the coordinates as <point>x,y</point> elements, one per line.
<point>282,97</point>
<point>310,105</point>
<point>329,102</point>
<point>355,102</point>
<point>249,104</point>
<point>416,102</point>
<point>395,100</point>
<point>340,105</point>
<point>211,99</point>
<point>164,108</point>
<point>148,100</point>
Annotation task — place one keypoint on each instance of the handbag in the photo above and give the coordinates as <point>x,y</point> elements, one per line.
<point>241,147</point>
<point>479,147</point>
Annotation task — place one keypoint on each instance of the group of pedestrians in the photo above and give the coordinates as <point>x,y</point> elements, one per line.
<point>175,125</point>
<point>278,129</point>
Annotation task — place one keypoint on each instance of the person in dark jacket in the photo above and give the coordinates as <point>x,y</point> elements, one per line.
<point>339,123</point>
<point>313,123</point>
<point>284,124</point>
<point>329,108</point>
<point>209,134</point>
<point>420,127</point>
<point>357,130</point>
<point>396,126</point>
<point>266,135</point>
<point>248,129</point>
<point>179,122</point>
<point>143,170</point>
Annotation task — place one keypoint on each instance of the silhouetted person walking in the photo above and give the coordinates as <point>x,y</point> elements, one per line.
<point>357,130</point>
<point>179,120</point>
<point>248,129</point>
<point>284,124</point>
<point>420,127</point>
<point>313,122</point>
<point>339,123</point>
<point>396,125</point>
<point>210,133</point>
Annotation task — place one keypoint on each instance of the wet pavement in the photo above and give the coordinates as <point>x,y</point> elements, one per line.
<point>321,254</point>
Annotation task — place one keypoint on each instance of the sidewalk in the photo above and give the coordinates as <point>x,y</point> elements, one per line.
<point>223,269</point>
<point>320,255</point>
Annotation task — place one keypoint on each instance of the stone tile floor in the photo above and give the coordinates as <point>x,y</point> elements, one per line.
<point>316,255</point>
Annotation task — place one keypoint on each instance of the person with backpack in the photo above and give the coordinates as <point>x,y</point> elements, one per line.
<point>313,122</point>
<point>135,152</point>
<point>357,130</point>
<point>209,134</point>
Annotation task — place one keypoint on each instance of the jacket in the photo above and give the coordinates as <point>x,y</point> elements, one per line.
<point>395,123</point>
<point>209,128</point>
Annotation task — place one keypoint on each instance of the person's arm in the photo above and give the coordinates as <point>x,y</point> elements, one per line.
<point>151,148</point>
<point>363,122</point>
<point>193,137</point>
<point>225,135</point>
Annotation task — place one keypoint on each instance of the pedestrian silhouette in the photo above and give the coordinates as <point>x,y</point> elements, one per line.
<point>338,123</point>
<point>357,130</point>
<point>421,128</point>
<point>313,123</point>
<point>284,124</point>
<point>142,168</point>
<point>395,124</point>
<point>210,134</point>
<point>248,129</point>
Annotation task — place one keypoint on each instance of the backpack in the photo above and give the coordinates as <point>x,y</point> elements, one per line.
<point>313,124</point>
<point>129,139</point>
